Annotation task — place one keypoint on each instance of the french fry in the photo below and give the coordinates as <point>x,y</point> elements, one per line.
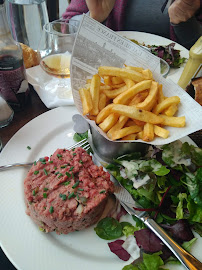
<point>91,117</point>
<point>166,103</point>
<point>138,69</point>
<point>129,82</point>
<point>125,131</point>
<point>138,114</point>
<point>87,86</point>
<point>115,86</point>
<point>104,113</point>
<point>130,137</point>
<point>88,81</point>
<point>130,123</point>
<point>95,93</point>
<point>148,132</point>
<point>139,135</point>
<point>173,121</point>
<point>119,125</point>
<point>161,132</point>
<point>114,93</point>
<point>171,111</point>
<point>104,87</point>
<point>150,100</point>
<point>129,105</point>
<point>125,96</point>
<point>147,74</point>
<point>117,80</point>
<point>138,122</point>
<point>139,97</point>
<point>102,101</point>
<point>160,94</point>
<point>107,80</point>
<point>86,100</point>
<point>109,122</point>
<point>121,72</point>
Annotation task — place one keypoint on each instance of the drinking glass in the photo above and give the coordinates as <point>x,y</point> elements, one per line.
<point>6,114</point>
<point>55,48</point>
<point>26,19</point>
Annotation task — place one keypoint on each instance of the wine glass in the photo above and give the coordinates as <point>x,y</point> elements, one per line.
<point>55,49</point>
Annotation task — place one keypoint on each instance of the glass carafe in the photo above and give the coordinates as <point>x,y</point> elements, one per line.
<point>26,19</point>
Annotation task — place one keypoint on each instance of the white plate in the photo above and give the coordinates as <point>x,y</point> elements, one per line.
<point>150,39</point>
<point>23,243</point>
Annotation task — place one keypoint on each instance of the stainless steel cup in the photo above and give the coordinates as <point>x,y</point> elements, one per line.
<point>108,150</point>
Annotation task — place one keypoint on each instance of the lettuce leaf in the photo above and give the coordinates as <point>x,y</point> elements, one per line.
<point>108,228</point>
<point>150,262</point>
<point>194,184</point>
<point>80,136</point>
<point>178,153</point>
<point>179,211</point>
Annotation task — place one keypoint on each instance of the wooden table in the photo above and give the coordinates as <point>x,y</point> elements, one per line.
<point>33,108</point>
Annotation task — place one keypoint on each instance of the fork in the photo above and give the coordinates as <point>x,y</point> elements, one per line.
<point>84,144</point>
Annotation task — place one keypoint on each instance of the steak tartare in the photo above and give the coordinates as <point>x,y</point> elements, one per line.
<point>67,192</point>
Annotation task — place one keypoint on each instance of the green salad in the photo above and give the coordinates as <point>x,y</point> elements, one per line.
<point>167,183</point>
<point>167,53</point>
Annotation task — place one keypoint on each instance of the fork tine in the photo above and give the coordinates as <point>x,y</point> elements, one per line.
<point>87,147</point>
<point>78,144</point>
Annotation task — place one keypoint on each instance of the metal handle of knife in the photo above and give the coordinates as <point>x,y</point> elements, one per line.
<point>189,261</point>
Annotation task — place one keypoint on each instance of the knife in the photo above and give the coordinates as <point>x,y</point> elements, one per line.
<point>126,200</point>
<point>128,203</point>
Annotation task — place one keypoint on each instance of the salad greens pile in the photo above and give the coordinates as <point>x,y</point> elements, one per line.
<point>167,53</point>
<point>167,183</point>
<point>175,169</point>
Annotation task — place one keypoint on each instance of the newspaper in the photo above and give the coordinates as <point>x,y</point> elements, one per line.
<point>96,45</point>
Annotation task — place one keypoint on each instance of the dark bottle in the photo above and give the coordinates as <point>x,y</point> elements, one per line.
<point>13,83</point>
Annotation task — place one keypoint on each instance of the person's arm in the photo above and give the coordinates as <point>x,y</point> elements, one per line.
<point>188,32</point>
<point>96,9</point>
<point>74,9</point>
<point>100,9</point>
<point>182,17</point>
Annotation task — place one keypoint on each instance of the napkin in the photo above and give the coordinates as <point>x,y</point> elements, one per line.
<point>54,92</point>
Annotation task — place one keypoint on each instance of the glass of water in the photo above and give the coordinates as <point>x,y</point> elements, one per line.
<point>26,19</point>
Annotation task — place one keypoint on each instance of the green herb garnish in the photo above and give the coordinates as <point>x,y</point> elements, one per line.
<point>76,184</point>
<point>71,195</point>
<point>51,210</point>
<point>66,183</point>
<point>46,173</point>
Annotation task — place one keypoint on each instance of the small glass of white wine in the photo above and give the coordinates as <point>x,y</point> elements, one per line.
<point>55,48</point>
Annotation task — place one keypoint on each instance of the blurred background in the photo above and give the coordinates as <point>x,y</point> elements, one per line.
<point>56,8</point>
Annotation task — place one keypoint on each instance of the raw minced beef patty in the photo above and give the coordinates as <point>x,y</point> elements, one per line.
<point>67,192</point>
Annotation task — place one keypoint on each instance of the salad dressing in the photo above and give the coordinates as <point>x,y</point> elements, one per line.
<point>175,154</point>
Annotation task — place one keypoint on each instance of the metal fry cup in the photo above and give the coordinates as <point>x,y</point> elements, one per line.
<point>108,150</point>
